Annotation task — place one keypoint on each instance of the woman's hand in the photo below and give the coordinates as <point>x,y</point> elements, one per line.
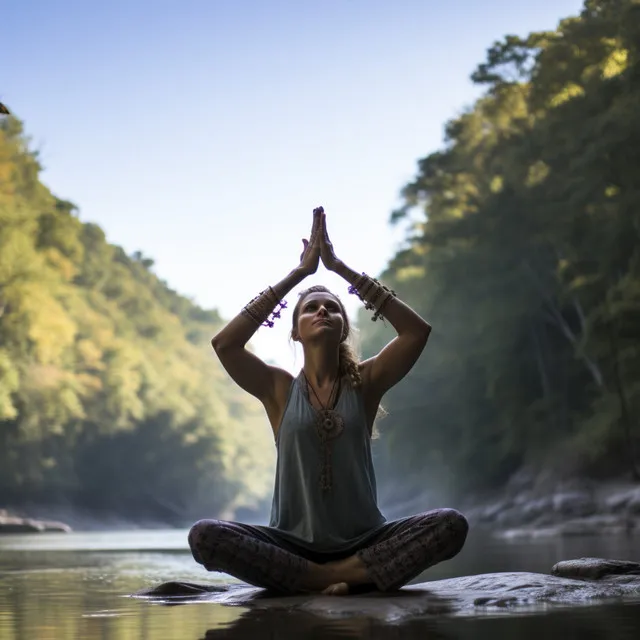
<point>329,258</point>
<point>310,256</point>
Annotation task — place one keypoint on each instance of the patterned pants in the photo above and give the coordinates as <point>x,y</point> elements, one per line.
<point>398,553</point>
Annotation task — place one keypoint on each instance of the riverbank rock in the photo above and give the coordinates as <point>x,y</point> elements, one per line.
<point>625,500</point>
<point>595,580</point>
<point>592,525</point>
<point>15,524</point>
<point>595,568</point>
<point>574,509</point>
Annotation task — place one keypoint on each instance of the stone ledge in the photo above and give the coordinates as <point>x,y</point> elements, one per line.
<point>591,509</point>
<point>463,596</point>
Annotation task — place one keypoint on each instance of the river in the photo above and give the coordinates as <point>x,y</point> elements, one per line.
<point>70,586</point>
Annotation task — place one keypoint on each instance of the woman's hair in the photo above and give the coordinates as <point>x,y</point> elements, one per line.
<point>348,363</point>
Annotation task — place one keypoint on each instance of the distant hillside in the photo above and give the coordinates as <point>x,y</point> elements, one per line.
<point>110,396</point>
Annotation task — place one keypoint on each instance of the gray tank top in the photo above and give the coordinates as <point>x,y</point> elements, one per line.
<point>302,511</point>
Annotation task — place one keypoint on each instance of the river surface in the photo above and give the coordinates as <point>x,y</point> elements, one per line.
<point>69,586</point>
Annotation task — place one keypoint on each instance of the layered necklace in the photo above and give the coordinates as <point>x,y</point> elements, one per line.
<point>329,424</point>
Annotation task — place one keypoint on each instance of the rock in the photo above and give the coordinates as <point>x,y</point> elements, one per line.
<point>616,502</point>
<point>574,504</point>
<point>594,568</point>
<point>508,517</point>
<point>633,505</point>
<point>535,509</point>
<point>546,519</point>
<point>182,590</point>
<point>17,525</point>
<point>53,525</point>
<point>571,507</point>
<point>490,512</point>
<point>14,524</point>
<point>594,525</point>
<point>466,595</point>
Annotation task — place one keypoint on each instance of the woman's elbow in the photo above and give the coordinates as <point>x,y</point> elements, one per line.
<point>425,331</point>
<point>217,343</point>
<point>422,335</point>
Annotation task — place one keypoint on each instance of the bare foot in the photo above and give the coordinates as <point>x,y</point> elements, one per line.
<point>337,589</point>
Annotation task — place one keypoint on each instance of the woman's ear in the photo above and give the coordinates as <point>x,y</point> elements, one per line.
<point>294,336</point>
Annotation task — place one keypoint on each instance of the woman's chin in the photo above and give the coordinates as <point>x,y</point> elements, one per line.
<point>324,332</point>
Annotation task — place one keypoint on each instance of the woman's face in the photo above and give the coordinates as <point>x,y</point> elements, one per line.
<point>320,318</point>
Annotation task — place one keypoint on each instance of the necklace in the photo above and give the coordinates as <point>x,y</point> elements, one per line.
<point>329,424</point>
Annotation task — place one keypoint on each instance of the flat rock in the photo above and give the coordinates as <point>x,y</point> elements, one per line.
<point>464,596</point>
<point>15,524</point>
<point>595,568</point>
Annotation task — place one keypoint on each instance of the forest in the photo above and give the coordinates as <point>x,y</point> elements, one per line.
<point>522,250</point>
<point>111,401</point>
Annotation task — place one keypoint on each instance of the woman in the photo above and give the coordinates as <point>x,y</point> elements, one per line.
<point>326,532</point>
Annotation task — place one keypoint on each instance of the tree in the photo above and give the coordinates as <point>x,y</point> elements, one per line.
<point>526,263</point>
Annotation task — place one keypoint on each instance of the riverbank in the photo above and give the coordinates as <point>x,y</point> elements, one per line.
<point>11,523</point>
<point>527,508</point>
<point>578,507</point>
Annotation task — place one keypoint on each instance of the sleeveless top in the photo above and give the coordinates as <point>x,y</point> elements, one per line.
<point>302,511</point>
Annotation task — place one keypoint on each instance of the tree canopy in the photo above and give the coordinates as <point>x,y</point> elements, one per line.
<point>523,251</point>
<point>110,396</point>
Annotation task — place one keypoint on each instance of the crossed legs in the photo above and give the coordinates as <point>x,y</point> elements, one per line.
<point>401,551</point>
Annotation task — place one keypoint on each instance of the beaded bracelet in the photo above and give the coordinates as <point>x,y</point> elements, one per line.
<point>370,295</point>
<point>263,305</point>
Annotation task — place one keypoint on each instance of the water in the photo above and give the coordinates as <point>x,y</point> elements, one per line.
<point>69,586</point>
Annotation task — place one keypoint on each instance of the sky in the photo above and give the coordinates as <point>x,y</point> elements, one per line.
<point>203,133</point>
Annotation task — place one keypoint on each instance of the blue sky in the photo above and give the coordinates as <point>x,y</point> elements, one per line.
<point>204,133</point>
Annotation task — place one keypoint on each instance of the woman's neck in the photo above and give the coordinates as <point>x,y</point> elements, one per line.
<point>320,365</point>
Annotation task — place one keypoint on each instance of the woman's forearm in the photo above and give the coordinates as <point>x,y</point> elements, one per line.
<point>347,273</point>
<point>399,314</point>
<point>238,331</point>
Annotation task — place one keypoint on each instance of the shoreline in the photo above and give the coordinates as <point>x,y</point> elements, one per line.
<point>11,523</point>
<point>577,508</point>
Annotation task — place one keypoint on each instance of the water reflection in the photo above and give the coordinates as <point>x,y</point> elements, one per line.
<point>276,625</point>
<point>599,623</point>
<point>308,617</point>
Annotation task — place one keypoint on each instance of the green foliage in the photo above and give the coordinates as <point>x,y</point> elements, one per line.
<point>527,263</point>
<point>110,398</point>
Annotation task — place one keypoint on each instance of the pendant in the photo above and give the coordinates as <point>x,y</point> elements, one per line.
<point>326,477</point>
<point>329,424</point>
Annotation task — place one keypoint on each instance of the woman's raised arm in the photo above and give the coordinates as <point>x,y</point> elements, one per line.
<point>247,370</point>
<point>395,360</point>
